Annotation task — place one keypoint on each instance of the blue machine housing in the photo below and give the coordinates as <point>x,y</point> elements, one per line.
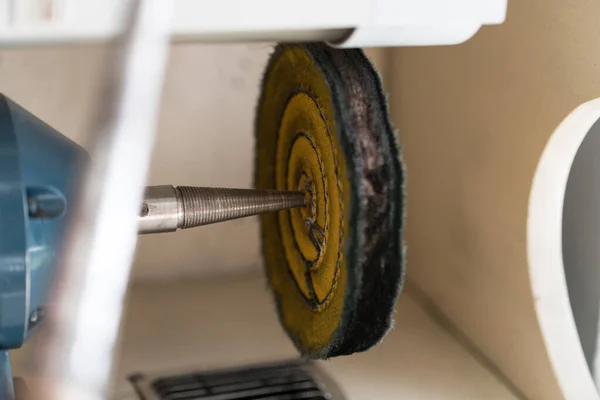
<point>38,168</point>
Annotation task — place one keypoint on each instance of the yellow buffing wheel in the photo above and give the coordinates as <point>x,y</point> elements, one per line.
<point>336,265</point>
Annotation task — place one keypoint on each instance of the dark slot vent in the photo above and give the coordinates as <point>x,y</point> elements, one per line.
<point>290,381</point>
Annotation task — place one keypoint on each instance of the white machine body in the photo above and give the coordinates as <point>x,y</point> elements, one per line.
<point>344,23</point>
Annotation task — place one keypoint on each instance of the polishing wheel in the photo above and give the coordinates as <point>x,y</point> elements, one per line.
<point>335,266</point>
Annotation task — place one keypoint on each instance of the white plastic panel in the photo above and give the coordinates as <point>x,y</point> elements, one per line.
<point>375,22</point>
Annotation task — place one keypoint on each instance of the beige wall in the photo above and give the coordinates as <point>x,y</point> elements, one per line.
<point>474,120</point>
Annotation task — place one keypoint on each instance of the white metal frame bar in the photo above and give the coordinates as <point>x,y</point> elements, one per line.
<point>95,261</point>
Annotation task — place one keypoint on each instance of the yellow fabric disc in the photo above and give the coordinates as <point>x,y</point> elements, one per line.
<point>306,152</point>
<point>299,148</point>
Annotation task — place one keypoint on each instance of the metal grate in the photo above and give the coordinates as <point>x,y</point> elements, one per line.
<point>284,381</point>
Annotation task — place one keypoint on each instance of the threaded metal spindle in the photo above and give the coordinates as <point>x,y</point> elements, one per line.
<point>203,206</point>
<point>165,208</point>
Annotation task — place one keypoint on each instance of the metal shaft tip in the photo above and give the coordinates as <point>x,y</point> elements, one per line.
<point>168,208</point>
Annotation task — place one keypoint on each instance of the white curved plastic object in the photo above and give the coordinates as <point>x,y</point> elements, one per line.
<point>545,254</point>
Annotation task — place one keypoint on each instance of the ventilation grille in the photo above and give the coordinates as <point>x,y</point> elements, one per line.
<point>289,381</point>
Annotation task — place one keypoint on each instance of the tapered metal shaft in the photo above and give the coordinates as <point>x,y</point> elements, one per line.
<point>168,208</point>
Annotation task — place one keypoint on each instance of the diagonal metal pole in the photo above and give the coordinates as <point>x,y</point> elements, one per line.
<point>78,344</point>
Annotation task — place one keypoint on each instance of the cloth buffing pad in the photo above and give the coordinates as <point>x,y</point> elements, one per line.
<point>336,265</point>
